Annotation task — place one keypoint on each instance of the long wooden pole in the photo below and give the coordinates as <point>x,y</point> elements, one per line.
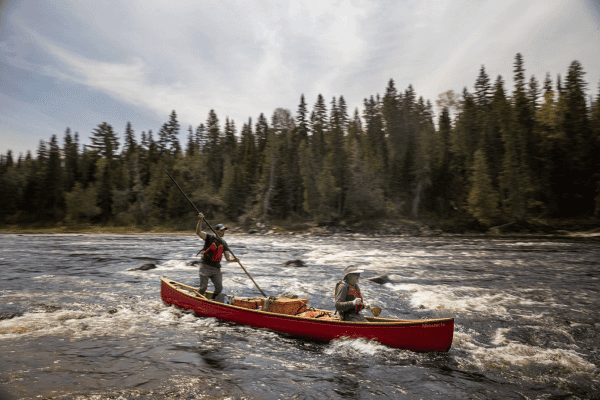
<point>219,237</point>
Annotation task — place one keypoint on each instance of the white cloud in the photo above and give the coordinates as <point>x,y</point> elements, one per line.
<point>243,58</point>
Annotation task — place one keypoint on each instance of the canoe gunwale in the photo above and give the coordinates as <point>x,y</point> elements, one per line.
<point>372,321</point>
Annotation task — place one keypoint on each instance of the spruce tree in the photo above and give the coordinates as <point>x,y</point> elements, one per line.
<point>483,198</point>
<point>261,131</point>
<point>514,177</point>
<point>53,180</point>
<point>442,175</point>
<point>375,135</point>
<point>546,131</point>
<point>279,184</point>
<point>230,141</point>
<point>318,123</point>
<point>337,155</point>
<point>397,137</point>
<point>595,129</point>
<point>130,145</point>
<point>248,158</point>
<point>9,187</point>
<point>104,141</point>
<point>172,128</point>
<point>365,197</point>
<point>579,146</point>
<point>191,143</point>
<point>301,119</point>
<point>163,140</point>
<point>483,95</point>
<point>71,159</point>
<point>213,155</point>
<point>426,155</point>
<point>200,137</point>
<point>467,133</point>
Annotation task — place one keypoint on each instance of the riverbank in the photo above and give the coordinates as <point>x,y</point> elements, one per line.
<point>373,227</point>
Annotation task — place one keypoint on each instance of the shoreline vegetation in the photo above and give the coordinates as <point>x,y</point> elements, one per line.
<point>495,163</point>
<point>584,227</point>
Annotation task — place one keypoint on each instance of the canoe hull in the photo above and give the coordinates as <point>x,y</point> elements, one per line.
<point>417,335</point>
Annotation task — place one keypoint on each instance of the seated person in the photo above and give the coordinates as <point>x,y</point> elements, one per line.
<point>348,300</point>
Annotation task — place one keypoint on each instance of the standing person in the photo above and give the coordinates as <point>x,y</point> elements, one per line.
<point>348,300</point>
<point>212,252</point>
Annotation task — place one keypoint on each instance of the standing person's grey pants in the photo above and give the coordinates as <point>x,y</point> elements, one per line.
<point>214,274</point>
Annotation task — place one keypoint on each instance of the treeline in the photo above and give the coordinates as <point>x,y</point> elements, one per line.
<point>490,156</point>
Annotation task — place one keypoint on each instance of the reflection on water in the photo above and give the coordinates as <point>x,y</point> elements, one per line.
<point>77,322</point>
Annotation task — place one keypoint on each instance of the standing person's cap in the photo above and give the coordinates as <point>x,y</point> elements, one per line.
<point>220,227</point>
<point>352,269</point>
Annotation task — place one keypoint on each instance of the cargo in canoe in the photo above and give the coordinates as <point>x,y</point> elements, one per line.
<point>292,316</point>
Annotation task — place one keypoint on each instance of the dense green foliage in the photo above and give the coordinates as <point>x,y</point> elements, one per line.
<point>489,157</point>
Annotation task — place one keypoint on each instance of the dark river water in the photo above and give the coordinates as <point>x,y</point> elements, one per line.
<point>77,323</point>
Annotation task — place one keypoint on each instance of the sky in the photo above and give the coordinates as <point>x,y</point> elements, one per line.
<point>76,64</point>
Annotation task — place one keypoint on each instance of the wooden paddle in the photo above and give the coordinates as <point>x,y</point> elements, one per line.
<point>218,237</point>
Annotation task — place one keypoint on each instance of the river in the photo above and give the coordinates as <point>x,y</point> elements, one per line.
<point>76,322</point>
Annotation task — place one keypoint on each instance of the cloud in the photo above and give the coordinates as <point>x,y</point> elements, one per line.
<point>244,58</point>
<point>276,52</point>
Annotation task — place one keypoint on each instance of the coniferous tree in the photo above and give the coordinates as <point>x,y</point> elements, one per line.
<point>9,187</point>
<point>441,193</point>
<point>579,188</point>
<point>492,140</point>
<point>191,148</point>
<point>53,181</point>
<point>467,133</point>
<point>595,129</point>
<point>483,198</point>
<point>514,178</point>
<point>213,155</point>
<point>87,166</point>
<point>247,157</point>
<point>172,128</point>
<point>337,155</point>
<point>311,158</point>
<point>397,135</point>
<point>276,173</point>
<point>71,159</point>
<point>200,137</point>
<point>301,119</point>
<point>105,142</point>
<point>546,131</point>
<point>524,105</point>
<point>229,140</point>
<point>294,190</point>
<point>129,145</point>
<point>163,140</point>
<point>426,153</point>
<point>318,121</point>
<point>262,132</point>
<point>483,90</point>
<point>365,196</point>
<point>104,189</point>
<point>489,137</point>
<point>375,134</point>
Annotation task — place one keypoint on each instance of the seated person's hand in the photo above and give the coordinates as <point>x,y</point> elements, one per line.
<point>357,301</point>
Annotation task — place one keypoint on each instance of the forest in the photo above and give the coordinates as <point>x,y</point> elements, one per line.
<point>489,158</point>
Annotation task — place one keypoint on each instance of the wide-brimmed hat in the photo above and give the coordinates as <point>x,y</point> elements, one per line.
<point>220,227</point>
<point>352,269</point>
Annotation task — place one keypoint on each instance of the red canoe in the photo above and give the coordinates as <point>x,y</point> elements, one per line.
<point>292,317</point>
